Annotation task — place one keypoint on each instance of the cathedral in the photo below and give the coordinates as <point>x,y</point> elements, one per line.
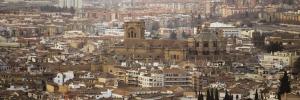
<point>206,44</point>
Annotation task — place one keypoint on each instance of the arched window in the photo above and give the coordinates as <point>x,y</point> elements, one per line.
<point>131,33</point>
<point>128,35</point>
<point>134,35</point>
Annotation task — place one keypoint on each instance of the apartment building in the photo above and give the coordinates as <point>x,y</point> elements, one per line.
<point>176,77</point>
<point>278,59</point>
<point>155,79</point>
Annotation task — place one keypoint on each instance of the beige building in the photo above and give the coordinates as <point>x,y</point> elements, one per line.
<point>205,44</point>
<point>176,77</point>
<point>282,17</point>
<point>278,59</point>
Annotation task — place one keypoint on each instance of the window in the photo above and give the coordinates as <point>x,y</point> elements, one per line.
<point>197,44</point>
<point>128,35</point>
<point>131,34</point>
<point>215,44</point>
<point>205,43</point>
<point>174,56</point>
<point>216,52</point>
<point>205,52</point>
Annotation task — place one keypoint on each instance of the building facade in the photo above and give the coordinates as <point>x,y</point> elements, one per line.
<point>205,44</point>
<point>77,4</point>
<point>151,80</point>
<point>278,59</point>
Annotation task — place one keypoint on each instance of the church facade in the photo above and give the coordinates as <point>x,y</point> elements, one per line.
<point>205,44</point>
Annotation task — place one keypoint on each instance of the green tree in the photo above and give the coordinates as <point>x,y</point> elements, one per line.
<point>227,97</point>
<point>155,26</point>
<point>256,95</point>
<point>212,94</point>
<point>173,36</point>
<point>200,97</point>
<point>13,33</point>
<point>285,86</point>
<point>261,95</point>
<point>184,35</point>
<point>216,94</point>
<point>72,10</point>
<point>297,66</point>
<point>258,39</point>
<point>289,2</point>
<point>231,97</point>
<point>274,47</point>
<point>208,95</point>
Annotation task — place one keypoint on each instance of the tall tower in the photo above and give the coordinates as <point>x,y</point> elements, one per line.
<point>134,30</point>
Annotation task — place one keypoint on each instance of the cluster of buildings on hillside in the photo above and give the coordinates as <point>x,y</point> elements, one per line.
<point>77,65</point>
<point>143,49</point>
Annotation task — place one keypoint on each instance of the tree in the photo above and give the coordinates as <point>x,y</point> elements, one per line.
<point>274,47</point>
<point>155,26</point>
<point>212,94</point>
<point>208,95</point>
<point>289,2</point>
<point>216,94</point>
<point>231,97</point>
<point>285,86</point>
<point>72,10</point>
<point>261,95</point>
<point>297,65</point>
<point>13,33</point>
<point>44,85</point>
<point>258,39</point>
<point>227,97</point>
<point>200,97</point>
<point>184,35</point>
<point>256,95</point>
<point>173,36</point>
<point>130,97</point>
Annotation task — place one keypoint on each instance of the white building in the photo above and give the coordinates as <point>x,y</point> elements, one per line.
<point>228,29</point>
<point>74,34</point>
<point>247,33</point>
<point>278,59</point>
<point>77,4</point>
<point>63,77</point>
<point>151,80</point>
<point>176,77</point>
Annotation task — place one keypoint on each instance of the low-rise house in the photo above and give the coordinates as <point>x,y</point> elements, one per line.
<point>129,92</point>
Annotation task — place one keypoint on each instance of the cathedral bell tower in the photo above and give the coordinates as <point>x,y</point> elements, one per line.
<point>134,30</point>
